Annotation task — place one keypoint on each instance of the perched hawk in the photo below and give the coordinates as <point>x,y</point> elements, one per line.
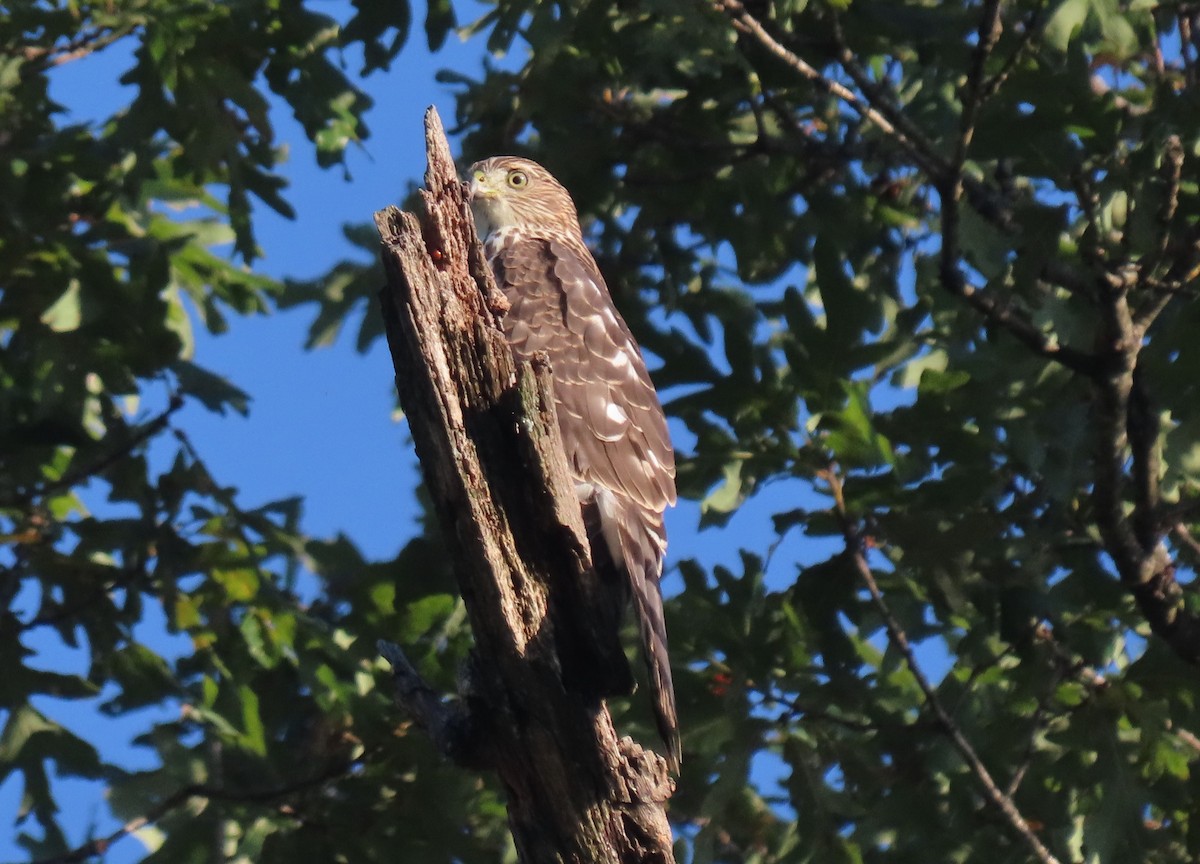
<point>612,424</point>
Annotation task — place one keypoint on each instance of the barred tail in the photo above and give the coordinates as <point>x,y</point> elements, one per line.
<point>641,538</point>
<point>648,605</point>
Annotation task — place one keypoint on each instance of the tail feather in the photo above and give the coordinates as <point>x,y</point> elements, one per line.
<point>642,542</point>
<point>632,540</point>
<point>647,600</point>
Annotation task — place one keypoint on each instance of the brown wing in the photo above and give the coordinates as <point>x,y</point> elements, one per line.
<point>612,423</point>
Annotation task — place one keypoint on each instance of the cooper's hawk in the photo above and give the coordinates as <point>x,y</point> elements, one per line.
<point>612,424</point>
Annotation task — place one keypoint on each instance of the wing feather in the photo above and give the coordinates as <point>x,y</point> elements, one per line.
<point>613,424</point>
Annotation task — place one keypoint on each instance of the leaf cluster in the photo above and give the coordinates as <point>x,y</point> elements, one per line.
<point>137,586</point>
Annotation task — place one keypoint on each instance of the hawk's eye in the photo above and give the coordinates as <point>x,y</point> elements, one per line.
<point>480,176</point>
<point>518,179</point>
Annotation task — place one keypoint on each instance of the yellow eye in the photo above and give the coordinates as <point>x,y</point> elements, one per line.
<point>518,179</point>
<point>480,176</point>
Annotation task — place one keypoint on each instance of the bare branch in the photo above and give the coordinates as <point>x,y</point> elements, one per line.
<point>1143,425</point>
<point>1029,28</point>
<point>994,795</point>
<point>88,42</point>
<point>1125,429</point>
<point>1184,536</point>
<point>100,845</point>
<point>999,315</point>
<point>449,726</point>
<point>1089,206</point>
<point>1172,172</point>
<point>81,473</point>
<point>920,150</point>
<point>989,32</point>
<point>1185,257</point>
<point>1188,738</point>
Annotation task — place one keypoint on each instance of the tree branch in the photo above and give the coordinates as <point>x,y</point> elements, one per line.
<point>450,726</point>
<point>1184,267</point>
<point>996,314</point>
<point>1126,431</point>
<point>487,437</point>
<point>879,108</point>
<point>920,150</point>
<point>100,845</point>
<point>81,473</point>
<point>88,42</point>
<point>988,34</point>
<point>994,795</point>
<point>1031,25</point>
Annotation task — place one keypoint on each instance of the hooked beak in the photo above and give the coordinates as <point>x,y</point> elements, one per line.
<point>479,189</point>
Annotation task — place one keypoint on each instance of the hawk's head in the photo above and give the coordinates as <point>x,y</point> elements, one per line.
<point>510,192</point>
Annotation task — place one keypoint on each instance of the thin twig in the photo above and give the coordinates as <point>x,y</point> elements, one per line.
<point>1089,206</point>
<point>988,34</point>
<point>1172,172</point>
<point>77,475</point>
<point>993,84</point>
<point>89,42</point>
<point>1144,425</point>
<point>1183,267</point>
<point>899,640</point>
<point>1186,50</point>
<point>1188,738</point>
<point>951,187</point>
<point>1184,536</point>
<point>877,107</point>
<point>878,100</point>
<point>101,845</point>
<point>746,23</point>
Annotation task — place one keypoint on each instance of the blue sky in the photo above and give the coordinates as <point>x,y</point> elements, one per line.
<point>321,423</point>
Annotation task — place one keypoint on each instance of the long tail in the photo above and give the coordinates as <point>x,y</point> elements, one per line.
<point>647,600</point>
<point>643,544</point>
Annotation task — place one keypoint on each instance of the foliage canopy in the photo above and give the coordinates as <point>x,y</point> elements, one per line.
<point>921,273</point>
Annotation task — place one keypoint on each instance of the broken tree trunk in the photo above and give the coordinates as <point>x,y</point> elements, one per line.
<point>489,446</point>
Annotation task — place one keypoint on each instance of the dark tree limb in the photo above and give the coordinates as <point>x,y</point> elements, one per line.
<point>448,724</point>
<point>989,31</point>
<point>86,43</point>
<point>992,793</point>
<point>1126,429</point>
<point>80,473</point>
<point>877,106</point>
<point>485,432</point>
<point>99,846</point>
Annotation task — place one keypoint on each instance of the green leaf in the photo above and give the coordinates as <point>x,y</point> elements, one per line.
<point>213,391</point>
<point>722,501</point>
<point>64,314</point>
<point>145,678</point>
<point>1064,22</point>
<point>439,21</point>
<point>851,434</point>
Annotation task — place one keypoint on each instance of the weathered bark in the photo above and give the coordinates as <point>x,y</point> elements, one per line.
<point>486,435</point>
